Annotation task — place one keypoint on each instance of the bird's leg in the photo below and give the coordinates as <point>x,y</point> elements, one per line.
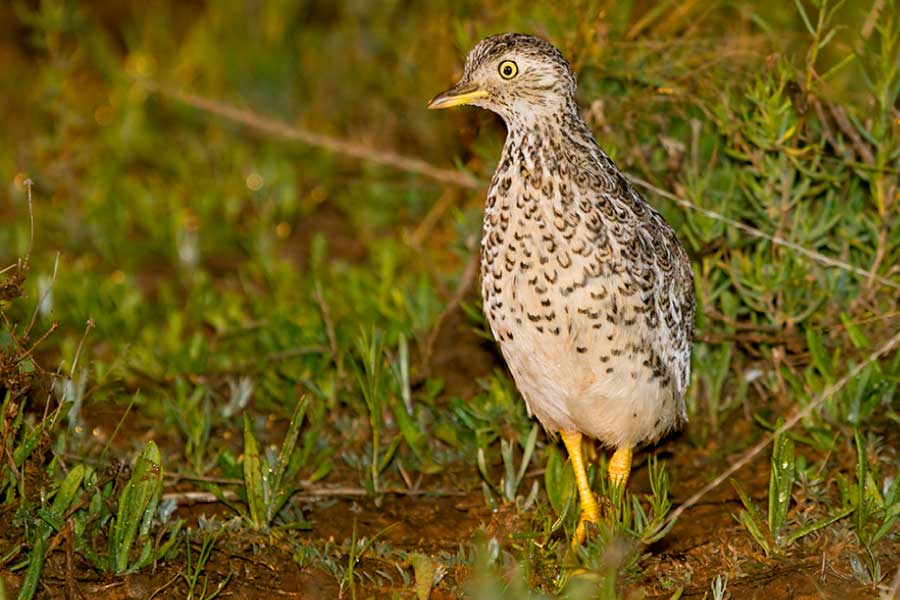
<point>589,512</point>
<point>620,467</point>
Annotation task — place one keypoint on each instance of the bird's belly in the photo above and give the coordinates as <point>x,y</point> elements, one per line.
<point>580,368</point>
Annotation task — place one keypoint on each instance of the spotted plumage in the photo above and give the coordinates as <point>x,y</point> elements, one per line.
<point>586,288</point>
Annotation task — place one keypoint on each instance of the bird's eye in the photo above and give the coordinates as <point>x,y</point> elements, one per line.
<point>508,69</point>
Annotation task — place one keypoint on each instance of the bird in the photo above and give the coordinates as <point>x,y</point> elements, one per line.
<point>585,286</point>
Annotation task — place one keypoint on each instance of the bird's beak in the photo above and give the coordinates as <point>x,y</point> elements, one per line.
<point>458,94</point>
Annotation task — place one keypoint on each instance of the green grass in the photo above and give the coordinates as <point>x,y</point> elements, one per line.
<point>261,312</point>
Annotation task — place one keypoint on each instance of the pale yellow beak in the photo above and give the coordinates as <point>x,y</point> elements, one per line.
<point>457,95</point>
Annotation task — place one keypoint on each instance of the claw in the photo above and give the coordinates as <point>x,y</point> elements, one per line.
<point>581,529</point>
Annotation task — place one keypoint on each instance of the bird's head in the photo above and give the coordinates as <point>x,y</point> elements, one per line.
<point>518,76</point>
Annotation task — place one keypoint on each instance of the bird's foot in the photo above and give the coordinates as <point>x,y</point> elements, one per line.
<point>589,514</point>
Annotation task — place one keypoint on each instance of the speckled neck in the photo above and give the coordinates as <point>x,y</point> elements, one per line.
<point>546,148</point>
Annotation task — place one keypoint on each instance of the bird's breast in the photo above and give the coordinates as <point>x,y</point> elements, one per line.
<point>570,276</point>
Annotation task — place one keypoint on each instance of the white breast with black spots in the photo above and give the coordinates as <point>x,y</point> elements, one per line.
<point>569,284</point>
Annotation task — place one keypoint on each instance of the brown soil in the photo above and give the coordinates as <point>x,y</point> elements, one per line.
<point>414,523</point>
<point>273,574</point>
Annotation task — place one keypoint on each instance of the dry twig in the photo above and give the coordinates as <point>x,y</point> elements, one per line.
<point>339,146</point>
<point>308,492</point>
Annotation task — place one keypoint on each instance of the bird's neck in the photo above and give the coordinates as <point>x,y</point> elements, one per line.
<point>553,137</point>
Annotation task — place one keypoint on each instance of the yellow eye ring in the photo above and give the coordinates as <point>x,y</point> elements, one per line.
<point>508,69</point>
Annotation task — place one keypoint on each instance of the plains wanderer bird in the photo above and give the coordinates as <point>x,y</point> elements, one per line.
<point>585,286</point>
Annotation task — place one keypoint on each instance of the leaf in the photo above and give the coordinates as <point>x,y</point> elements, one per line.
<point>424,569</point>
<point>253,479</point>
<point>482,468</point>
<point>824,522</point>
<point>827,38</point>
<point>819,355</point>
<point>136,507</point>
<point>64,497</point>
<point>781,480</point>
<point>509,469</point>
<point>415,437</point>
<point>861,516</point>
<point>282,492</point>
<point>388,456</point>
<point>528,450</point>
<point>752,521</point>
<point>35,566</point>
<point>559,482</point>
<point>857,337</point>
<point>31,440</point>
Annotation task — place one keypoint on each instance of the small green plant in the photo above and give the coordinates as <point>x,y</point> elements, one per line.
<point>370,376</point>
<point>649,526</point>
<point>626,514</point>
<point>496,575</point>
<point>412,426</point>
<point>270,481</point>
<point>22,443</point>
<point>497,410</point>
<point>772,532</point>
<point>876,511</point>
<point>136,509</point>
<point>358,547</point>
<point>194,569</point>
<point>52,520</point>
<point>861,397</point>
<point>614,546</point>
<point>346,576</point>
<point>306,555</point>
<point>559,485</point>
<point>135,536</point>
<point>508,487</point>
<point>191,412</point>
<point>712,398</point>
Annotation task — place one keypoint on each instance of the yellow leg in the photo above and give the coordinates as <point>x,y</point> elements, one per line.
<point>589,512</point>
<point>620,467</point>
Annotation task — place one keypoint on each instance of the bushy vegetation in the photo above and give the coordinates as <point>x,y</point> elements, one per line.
<point>240,331</point>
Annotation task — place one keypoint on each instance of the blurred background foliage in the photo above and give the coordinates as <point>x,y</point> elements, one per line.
<point>226,270</point>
